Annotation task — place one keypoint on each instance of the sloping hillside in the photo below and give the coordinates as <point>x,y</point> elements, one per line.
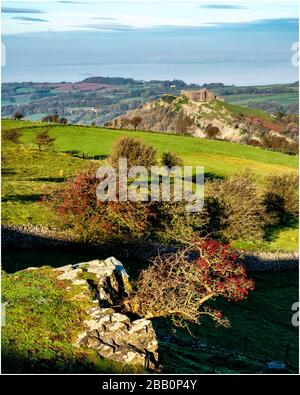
<point>202,114</point>
<point>28,173</point>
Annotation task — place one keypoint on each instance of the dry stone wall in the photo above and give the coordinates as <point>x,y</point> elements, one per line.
<point>111,333</point>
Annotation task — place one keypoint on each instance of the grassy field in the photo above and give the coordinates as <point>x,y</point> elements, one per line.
<point>219,157</point>
<point>42,321</point>
<point>285,238</point>
<point>28,173</point>
<point>285,95</point>
<point>281,99</point>
<point>237,109</point>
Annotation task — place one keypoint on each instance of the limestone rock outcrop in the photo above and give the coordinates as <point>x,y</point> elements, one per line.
<point>111,333</point>
<point>190,113</point>
<point>195,113</point>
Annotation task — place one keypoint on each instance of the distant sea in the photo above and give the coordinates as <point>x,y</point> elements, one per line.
<point>240,54</point>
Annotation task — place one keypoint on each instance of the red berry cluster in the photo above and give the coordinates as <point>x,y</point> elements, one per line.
<point>221,270</point>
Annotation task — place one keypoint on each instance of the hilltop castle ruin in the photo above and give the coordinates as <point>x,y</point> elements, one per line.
<point>200,95</point>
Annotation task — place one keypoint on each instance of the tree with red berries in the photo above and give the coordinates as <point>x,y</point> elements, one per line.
<point>95,221</point>
<point>179,285</point>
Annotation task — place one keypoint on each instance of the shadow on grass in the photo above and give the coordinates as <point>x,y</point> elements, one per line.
<point>13,362</point>
<point>49,179</point>
<point>22,249</point>
<point>34,197</point>
<point>272,232</point>
<point>211,176</point>
<point>8,172</point>
<point>85,155</point>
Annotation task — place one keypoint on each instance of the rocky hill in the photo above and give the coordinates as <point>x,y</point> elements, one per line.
<point>201,114</point>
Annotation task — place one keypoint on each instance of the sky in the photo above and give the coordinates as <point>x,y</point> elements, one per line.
<point>239,42</point>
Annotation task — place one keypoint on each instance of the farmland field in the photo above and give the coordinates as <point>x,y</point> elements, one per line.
<point>282,99</point>
<point>29,173</point>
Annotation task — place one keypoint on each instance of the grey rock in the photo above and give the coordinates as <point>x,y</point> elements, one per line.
<point>140,325</point>
<point>111,333</point>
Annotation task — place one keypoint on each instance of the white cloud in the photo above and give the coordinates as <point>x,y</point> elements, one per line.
<point>79,14</point>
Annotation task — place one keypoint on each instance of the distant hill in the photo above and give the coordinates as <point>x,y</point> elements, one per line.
<point>111,80</point>
<point>100,99</point>
<point>202,114</point>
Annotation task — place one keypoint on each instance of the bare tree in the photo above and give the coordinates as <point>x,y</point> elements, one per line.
<point>43,139</point>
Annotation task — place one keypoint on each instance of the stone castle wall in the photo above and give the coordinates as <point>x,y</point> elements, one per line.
<point>201,95</point>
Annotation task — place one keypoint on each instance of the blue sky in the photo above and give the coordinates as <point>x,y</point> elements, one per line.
<point>239,42</point>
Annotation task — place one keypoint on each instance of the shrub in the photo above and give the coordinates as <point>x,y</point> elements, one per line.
<point>178,286</point>
<point>136,152</point>
<point>279,143</point>
<point>212,132</point>
<point>282,197</point>
<point>293,148</point>
<point>234,208</point>
<point>12,135</point>
<point>168,98</point>
<point>55,119</point>
<point>170,159</point>
<point>18,115</point>
<point>51,118</point>
<point>96,221</point>
<point>182,124</point>
<point>254,142</point>
<point>124,123</point>
<point>136,121</point>
<point>175,225</point>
